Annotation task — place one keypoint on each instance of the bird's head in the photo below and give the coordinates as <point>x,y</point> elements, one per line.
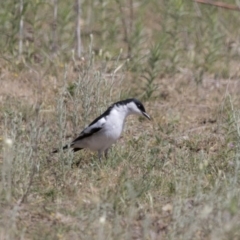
<point>134,106</point>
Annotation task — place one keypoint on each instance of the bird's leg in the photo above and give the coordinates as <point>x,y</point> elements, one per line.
<point>106,153</point>
<point>100,155</point>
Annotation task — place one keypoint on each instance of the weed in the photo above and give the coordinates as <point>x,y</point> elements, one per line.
<point>150,73</point>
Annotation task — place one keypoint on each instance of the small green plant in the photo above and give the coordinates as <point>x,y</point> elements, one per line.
<point>150,73</point>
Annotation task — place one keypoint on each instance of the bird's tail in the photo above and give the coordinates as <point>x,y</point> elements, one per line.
<point>66,147</point>
<point>57,150</point>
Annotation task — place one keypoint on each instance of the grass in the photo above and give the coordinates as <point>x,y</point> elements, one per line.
<point>175,177</point>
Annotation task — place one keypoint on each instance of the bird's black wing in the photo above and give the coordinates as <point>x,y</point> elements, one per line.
<point>86,134</point>
<point>93,128</point>
<point>102,116</point>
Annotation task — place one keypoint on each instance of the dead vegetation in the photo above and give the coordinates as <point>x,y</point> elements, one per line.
<point>176,177</point>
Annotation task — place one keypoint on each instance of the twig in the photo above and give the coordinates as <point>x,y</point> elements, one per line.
<point>20,50</point>
<point>78,29</point>
<point>130,27</point>
<point>54,26</point>
<point>219,4</point>
<point>125,30</point>
<point>33,156</point>
<point>34,152</point>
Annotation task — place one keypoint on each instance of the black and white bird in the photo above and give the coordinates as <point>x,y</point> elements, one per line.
<point>105,130</point>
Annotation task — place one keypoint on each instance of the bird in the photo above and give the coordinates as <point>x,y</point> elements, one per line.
<point>106,129</point>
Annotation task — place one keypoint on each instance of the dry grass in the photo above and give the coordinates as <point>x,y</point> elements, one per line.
<point>176,177</point>
<point>165,181</point>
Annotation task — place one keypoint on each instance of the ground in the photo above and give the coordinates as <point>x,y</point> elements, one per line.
<point>174,164</point>
<point>174,177</point>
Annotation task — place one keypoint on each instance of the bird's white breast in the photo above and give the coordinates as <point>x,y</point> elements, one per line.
<point>114,125</point>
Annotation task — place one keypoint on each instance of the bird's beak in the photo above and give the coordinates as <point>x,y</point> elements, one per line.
<point>146,115</point>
